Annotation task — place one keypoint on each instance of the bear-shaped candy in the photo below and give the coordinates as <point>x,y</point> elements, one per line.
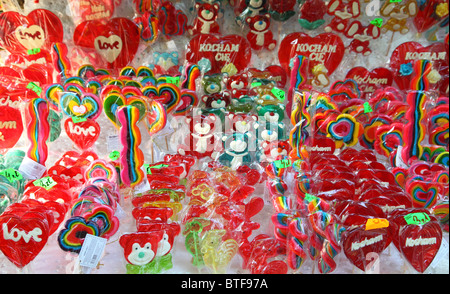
<point>271,113</point>
<point>217,100</point>
<point>238,85</point>
<point>206,20</point>
<point>169,232</point>
<point>201,141</point>
<point>212,84</point>
<point>252,8</point>
<point>140,248</point>
<point>241,123</point>
<point>270,131</point>
<point>260,36</point>
<point>274,150</point>
<point>237,150</point>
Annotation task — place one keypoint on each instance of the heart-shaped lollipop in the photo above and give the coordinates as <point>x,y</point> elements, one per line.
<point>38,30</point>
<point>115,41</point>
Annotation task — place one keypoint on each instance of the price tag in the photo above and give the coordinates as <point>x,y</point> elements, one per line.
<point>113,143</point>
<point>77,119</point>
<point>417,218</point>
<point>367,107</point>
<point>147,169</point>
<point>91,251</point>
<point>11,174</point>
<point>114,155</point>
<point>376,223</point>
<point>46,183</point>
<point>173,80</point>
<point>280,94</point>
<point>310,197</point>
<point>33,51</point>
<point>32,86</point>
<point>395,1</point>
<point>378,22</point>
<point>30,169</point>
<point>283,163</point>
<point>256,84</point>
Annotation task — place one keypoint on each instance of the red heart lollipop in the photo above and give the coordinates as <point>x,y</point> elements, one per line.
<point>22,238</point>
<point>220,51</point>
<point>327,49</point>
<point>358,243</point>
<point>369,81</point>
<point>84,134</point>
<point>91,9</point>
<point>420,244</point>
<point>38,30</point>
<point>10,125</point>
<point>116,41</point>
<point>409,52</point>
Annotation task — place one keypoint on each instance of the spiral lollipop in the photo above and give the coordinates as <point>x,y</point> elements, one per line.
<point>318,222</point>
<point>296,244</point>
<point>331,247</point>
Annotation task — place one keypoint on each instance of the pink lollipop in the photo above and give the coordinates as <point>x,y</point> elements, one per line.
<point>415,129</point>
<point>38,129</point>
<point>131,157</point>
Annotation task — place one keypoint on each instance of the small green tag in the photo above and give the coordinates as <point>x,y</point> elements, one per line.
<point>310,197</point>
<point>114,155</point>
<point>33,51</point>
<point>256,84</point>
<point>283,163</point>
<point>395,1</point>
<point>147,168</point>
<point>32,86</point>
<point>417,218</point>
<point>77,119</point>
<point>378,22</point>
<point>46,183</point>
<point>367,107</point>
<point>173,80</point>
<point>280,94</point>
<point>11,174</point>
<point>159,166</point>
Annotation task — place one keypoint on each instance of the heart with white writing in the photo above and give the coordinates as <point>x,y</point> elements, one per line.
<point>361,245</point>
<point>83,134</point>
<point>11,126</point>
<point>221,52</point>
<point>369,81</point>
<point>39,29</point>
<point>22,238</point>
<point>91,9</point>
<point>116,41</point>
<point>326,49</point>
<point>420,243</point>
<point>409,52</point>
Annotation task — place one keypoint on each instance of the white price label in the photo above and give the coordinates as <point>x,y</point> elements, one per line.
<point>92,250</point>
<point>113,143</point>
<point>30,169</point>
